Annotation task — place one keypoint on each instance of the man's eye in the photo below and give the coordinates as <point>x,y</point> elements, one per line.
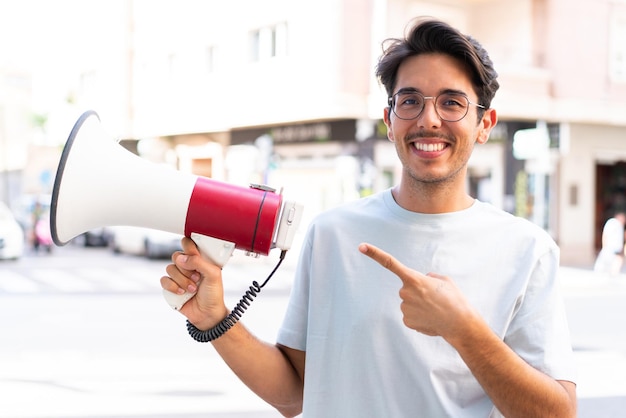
<point>410,101</point>
<point>453,101</point>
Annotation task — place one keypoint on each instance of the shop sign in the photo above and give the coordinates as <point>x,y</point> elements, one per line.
<point>318,132</point>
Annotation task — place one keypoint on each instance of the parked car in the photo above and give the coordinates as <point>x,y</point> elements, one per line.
<point>147,242</point>
<point>97,237</point>
<point>11,235</point>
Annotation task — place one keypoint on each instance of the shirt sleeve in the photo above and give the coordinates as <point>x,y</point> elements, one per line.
<point>293,331</point>
<point>539,332</point>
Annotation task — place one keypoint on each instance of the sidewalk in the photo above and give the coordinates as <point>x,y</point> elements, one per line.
<point>584,281</point>
<point>596,311</point>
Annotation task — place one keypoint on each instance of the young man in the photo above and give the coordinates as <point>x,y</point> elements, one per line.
<point>367,333</point>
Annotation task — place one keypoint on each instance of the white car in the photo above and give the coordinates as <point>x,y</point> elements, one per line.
<point>151,243</point>
<point>11,235</point>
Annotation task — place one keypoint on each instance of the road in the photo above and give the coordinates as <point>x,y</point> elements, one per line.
<point>86,333</point>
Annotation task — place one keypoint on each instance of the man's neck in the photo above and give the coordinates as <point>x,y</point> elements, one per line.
<point>431,198</point>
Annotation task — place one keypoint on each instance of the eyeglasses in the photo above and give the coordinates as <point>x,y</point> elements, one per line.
<point>450,107</point>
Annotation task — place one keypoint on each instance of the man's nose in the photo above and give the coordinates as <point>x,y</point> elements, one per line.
<point>429,116</point>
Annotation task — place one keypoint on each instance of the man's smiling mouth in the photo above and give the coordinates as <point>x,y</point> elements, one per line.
<point>429,147</point>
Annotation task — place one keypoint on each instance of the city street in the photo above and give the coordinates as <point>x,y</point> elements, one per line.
<point>86,333</point>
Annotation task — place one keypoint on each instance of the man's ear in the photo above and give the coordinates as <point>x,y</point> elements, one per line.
<point>388,124</point>
<point>488,121</point>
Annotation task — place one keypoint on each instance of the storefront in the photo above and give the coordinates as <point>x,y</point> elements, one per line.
<point>323,164</point>
<point>319,164</point>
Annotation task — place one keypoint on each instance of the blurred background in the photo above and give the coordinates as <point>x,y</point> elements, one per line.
<point>282,92</point>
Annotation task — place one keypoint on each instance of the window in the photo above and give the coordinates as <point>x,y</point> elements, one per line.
<point>210,59</point>
<point>255,45</point>
<point>268,42</point>
<point>88,84</point>
<point>174,66</point>
<point>617,48</point>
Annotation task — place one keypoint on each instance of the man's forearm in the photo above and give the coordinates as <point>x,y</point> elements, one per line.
<point>516,388</point>
<point>263,367</point>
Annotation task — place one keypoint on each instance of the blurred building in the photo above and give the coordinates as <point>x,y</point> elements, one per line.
<point>16,130</point>
<point>283,92</point>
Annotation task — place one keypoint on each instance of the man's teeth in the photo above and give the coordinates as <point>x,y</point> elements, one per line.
<point>428,147</point>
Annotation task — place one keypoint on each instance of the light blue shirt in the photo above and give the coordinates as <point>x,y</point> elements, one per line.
<point>362,361</point>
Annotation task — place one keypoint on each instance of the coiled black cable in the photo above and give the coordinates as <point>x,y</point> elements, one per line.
<point>234,316</point>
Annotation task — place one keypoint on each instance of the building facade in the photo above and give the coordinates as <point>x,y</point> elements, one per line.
<point>286,91</point>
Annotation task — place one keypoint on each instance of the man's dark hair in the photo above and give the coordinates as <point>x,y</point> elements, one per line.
<point>433,36</point>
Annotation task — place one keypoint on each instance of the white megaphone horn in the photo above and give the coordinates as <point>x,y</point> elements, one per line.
<point>99,183</point>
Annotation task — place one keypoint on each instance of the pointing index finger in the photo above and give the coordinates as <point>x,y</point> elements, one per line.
<point>383,258</point>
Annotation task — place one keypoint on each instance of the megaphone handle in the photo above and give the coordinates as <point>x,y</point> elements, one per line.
<point>212,249</point>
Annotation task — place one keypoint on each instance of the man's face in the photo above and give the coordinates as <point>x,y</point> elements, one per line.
<point>432,150</point>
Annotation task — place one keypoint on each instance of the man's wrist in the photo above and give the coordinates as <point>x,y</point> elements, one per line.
<point>207,322</point>
<point>214,332</point>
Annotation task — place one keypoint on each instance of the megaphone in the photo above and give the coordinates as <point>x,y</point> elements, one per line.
<point>99,183</point>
